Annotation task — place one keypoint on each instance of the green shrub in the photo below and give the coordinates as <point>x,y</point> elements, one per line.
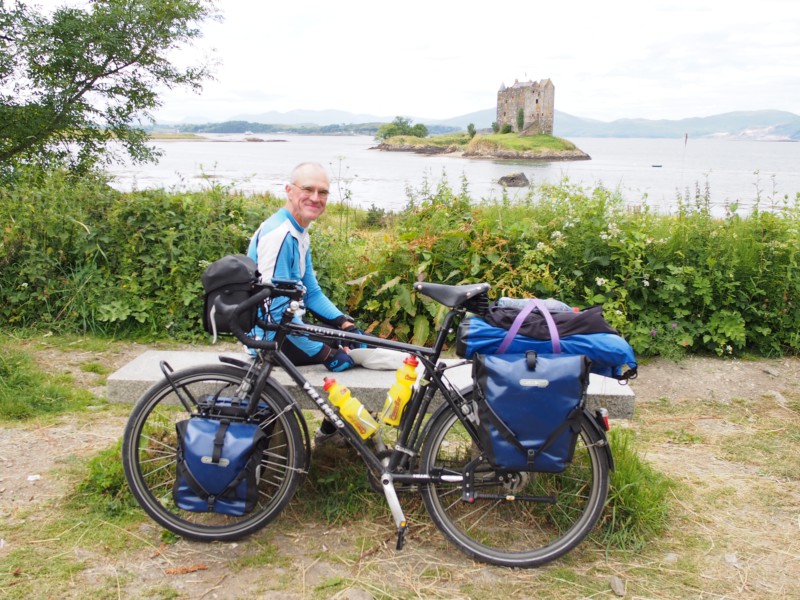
<point>80,256</point>
<point>671,284</point>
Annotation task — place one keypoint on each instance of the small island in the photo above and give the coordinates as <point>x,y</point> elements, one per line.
<point>523,130</point>
<point>503,146</point>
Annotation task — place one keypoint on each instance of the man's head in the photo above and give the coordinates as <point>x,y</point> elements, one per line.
<point>307,194</point>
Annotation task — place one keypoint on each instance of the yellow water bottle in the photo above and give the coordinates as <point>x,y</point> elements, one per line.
<point>350,408</point>
<point>398,395</point>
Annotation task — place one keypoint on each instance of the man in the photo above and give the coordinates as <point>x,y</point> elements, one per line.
<point>281,247</point>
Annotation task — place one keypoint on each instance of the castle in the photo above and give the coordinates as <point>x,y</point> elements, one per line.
<point>535,99</point>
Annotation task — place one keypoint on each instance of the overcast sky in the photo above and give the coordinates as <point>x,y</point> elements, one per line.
<point>656,59</point>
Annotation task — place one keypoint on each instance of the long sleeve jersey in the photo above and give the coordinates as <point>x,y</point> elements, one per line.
<point>282,250</point>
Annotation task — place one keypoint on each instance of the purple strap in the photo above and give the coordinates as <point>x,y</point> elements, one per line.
<point>555,340</point>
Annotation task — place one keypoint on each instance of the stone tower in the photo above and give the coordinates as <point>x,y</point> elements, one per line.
<point>537,101</point>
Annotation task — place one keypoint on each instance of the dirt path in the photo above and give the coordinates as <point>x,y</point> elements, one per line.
<point>744,520</point>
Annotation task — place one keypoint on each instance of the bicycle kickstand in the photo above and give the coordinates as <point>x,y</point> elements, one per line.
<point>394,505</point>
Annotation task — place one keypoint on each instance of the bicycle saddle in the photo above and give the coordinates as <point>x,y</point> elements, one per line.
<point>451,295</point>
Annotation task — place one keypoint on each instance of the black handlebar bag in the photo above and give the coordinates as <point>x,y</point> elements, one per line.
<point>530,408</point>
<point>232,279</point>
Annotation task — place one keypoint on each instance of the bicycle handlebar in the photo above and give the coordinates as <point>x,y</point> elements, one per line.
<point>232,313</point>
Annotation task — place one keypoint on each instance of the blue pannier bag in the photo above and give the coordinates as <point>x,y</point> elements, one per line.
<point>530,408</point>
<point>218,465</point>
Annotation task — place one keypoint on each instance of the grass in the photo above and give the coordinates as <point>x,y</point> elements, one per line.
<point>262,554</point>
<point>513,141</point>
<point>97,368</point>
<point>440,141</point>
<point>660,533</point>
<point>27,393</point>
<point>638,505</point>
<point>762,433</point>
<point>508,141</point>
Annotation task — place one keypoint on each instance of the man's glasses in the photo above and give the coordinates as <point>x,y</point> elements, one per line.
<point>310,191</point>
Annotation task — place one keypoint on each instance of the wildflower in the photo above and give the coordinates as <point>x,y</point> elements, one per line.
<point>674,325</point>
<point>653,332</point>
<point>646,283</point>
<point>556,235</point>
<point>729,348</point>
<point>600,281</point>
<point>23,285</point>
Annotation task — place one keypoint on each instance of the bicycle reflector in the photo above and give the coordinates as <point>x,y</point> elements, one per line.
<point>601,416</point>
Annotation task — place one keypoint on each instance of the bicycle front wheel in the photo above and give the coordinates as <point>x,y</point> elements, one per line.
<point>524,519</point>
<point>149,451</point>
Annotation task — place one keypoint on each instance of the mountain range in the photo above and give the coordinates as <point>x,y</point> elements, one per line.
<point>771,125</point>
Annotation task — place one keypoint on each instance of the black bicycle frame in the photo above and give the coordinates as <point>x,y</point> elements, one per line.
<point>417,406</point>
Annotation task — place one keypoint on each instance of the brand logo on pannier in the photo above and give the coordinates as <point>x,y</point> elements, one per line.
<point>539,383</point>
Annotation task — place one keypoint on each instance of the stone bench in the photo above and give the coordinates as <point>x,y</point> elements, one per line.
<point>370,386</point>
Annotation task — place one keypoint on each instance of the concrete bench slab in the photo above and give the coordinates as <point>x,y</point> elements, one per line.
<point>130,382</point>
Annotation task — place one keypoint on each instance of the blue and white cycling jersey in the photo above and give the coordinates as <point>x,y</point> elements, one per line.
<point>282,250</point>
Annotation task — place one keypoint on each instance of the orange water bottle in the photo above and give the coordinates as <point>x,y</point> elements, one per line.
<point>350,408</point>
<point>398,395</point>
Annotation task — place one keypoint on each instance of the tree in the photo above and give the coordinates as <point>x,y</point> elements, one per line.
<point>471,130</point>
<point>72,82</point>
<point>401,126</point>
<point>520,119</point>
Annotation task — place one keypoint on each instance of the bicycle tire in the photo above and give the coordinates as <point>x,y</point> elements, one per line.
<point>149,449</point>
<point>518,533</point>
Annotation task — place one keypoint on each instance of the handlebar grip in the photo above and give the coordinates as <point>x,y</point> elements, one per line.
<point>231,315</point>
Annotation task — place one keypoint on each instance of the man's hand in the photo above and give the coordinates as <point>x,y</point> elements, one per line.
<point>338,360</point>
<point>350,327</point>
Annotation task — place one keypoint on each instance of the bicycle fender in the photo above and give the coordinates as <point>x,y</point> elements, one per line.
<point>234,362</point>
<point>601,435</point>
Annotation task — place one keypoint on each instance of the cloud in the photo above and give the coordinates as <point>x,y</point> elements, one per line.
<point>656,59</point>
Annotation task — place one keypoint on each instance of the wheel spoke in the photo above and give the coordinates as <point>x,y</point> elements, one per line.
<point>150,454</point>
<point>550,512</point>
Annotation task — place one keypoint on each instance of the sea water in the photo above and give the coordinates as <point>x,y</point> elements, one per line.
<point>657,172</point>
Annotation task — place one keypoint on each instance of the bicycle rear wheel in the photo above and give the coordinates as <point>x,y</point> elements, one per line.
<point>149,450</point>
<point>525,531</point>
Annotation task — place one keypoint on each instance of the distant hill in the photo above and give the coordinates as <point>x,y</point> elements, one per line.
<point>753,125</point>
<point>310,117</point>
